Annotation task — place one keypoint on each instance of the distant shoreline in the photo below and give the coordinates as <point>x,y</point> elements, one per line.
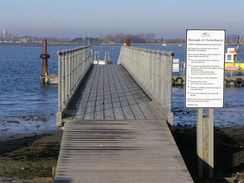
<point>109,44</point>
<point>78,44</point>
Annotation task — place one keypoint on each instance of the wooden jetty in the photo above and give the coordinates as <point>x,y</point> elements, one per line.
<point>117,134</point>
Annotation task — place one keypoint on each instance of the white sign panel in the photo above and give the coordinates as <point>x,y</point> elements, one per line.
<point>205,55</point>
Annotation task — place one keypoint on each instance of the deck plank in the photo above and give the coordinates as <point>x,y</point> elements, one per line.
<point>81,108</point>
<point>90,107</point>
<point>99,107</point>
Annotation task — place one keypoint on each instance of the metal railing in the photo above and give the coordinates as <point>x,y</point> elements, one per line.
<point>72,67</point>
<point>178,67</point>
<point>152,70</point>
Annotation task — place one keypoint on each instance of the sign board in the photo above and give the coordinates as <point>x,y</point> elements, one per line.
<point>205,61</point>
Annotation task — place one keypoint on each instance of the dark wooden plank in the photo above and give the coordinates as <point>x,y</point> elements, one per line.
<point>108,107</point>
<point>114,88</point>
<point>99,108</point>
<point>90,107</point>
<point>81,108</point>
<point>122,95</point>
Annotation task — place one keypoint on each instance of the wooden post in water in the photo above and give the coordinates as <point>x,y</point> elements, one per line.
<point>44,56</point>
<point>205,143</point>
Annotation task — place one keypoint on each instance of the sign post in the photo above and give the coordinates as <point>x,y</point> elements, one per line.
<point>204,88</point>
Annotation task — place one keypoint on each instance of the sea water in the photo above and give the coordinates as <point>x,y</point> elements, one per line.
<point>27,106</point>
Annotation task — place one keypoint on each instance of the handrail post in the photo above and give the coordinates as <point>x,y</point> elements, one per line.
<point>59,113</point>
<point>169,62</point>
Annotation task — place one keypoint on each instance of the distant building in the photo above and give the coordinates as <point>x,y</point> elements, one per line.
<point>5,33</point>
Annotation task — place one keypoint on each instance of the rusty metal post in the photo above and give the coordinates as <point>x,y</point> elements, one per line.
<point>44,56</point>
<point>127,41</point>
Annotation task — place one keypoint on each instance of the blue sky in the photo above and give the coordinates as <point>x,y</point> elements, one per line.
<point>165,18</point>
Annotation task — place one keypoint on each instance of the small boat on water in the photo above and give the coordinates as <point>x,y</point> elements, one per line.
<point>106,59</point>
<point>234,66</point>
<point>231,62</point>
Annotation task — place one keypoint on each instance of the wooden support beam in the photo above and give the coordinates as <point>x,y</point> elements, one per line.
<point>205,143</point>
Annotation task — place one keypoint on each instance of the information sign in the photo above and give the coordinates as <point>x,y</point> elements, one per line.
<point>205,55</point>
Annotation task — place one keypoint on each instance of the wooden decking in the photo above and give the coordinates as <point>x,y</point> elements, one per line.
<point>111,94</point>
<point>118,135</point>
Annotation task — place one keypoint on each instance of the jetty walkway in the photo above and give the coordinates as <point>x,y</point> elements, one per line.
<point>115,131</point>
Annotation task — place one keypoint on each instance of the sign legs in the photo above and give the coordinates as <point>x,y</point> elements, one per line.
<point>205,143</point>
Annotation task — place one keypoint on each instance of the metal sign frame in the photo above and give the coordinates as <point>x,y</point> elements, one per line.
<point>205,61</point>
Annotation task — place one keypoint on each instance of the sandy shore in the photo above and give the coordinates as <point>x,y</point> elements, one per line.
<point>25,157</point>
<point>29,156</point>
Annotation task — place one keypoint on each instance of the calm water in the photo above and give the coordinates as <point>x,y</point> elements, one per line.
<point>28,106</point>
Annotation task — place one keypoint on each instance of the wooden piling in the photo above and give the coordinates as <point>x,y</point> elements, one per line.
<point>127,41</point>
<point>44,56</point>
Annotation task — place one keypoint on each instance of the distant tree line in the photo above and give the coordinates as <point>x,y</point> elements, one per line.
<point>136,38</point>
<point>119,38</point>
<point>85,40</point>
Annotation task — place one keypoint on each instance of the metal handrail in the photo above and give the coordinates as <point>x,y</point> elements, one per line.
<point>72,67</point>
<point>152,70</point>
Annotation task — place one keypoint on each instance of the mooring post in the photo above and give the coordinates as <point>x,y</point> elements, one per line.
<point>44,56</point>
<point>127,41</point>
